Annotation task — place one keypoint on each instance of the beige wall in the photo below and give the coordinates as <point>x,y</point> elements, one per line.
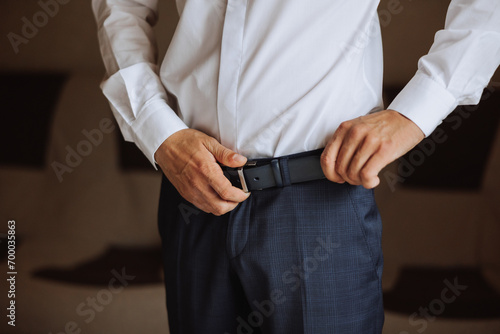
<point>420,227</point>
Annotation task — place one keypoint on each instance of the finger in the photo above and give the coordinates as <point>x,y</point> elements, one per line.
<point>217,206</point>
<point>371,169</point>
<point>225,190</point>
<point>364,152</point>
<point>207,200</point>
<point>329,157</point>
<point>224,155</point>
<point>348,149</point>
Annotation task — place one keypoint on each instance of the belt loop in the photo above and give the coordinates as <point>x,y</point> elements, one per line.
<point>285,172</point>
<point>275,166</point>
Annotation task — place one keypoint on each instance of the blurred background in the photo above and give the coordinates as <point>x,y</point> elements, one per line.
<point>84,202</point>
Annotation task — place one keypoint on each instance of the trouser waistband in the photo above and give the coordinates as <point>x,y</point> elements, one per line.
<point>258,174</point>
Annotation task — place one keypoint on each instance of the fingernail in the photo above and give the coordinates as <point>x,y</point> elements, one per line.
<point>239,158</point>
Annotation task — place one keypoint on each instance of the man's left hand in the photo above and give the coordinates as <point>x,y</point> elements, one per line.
<point>361,147</point>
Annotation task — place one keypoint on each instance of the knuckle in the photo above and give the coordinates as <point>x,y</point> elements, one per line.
<point>225,193</point>
<point>221,208</point>
<point>371,140</point>
<point>203,169</point>
<point>352,175</point>
<point>358,130</point>
<point>208,142</point>
<point>198,157</point>
<point>369,184</point>
<point>342,173</point>
<point>365,174</point>
<point>340,166</point>
<point>325,160</point>
<point>386,146</point>
<point>329,175</point>
<point>218,210</point>
<point>344,126</point>
<point>211,140</point>
<point>223,153</point>
<point>206,169</point>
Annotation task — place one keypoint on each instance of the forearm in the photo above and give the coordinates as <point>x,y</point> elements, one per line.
<point>459,65</point>
<point>125,32</point>
<point>132,85</point>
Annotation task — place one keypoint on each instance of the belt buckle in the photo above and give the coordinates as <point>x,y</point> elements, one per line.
<point>241,175</point>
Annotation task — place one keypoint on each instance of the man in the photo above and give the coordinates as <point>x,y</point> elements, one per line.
<point>276,248</point>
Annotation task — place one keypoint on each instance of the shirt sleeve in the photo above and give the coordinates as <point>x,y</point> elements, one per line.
<point>457,68</point>
<point>132,85</point>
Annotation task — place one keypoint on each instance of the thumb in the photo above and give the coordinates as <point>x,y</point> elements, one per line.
<point>226,156</point>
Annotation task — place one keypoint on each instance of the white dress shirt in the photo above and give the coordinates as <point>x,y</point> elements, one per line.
<point>275,77</point>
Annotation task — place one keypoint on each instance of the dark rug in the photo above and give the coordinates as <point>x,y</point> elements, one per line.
<point>443,292</point>
<point>142,263</point>
<point>458,162</point>
<point>28,103</point>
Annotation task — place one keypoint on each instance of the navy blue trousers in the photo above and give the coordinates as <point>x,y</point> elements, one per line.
<point>305,258</point>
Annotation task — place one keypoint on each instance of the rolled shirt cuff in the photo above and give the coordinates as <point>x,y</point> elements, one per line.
<point>157,122</point>
<point>425,102</point>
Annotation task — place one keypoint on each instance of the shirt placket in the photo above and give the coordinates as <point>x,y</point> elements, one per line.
<point>229,71</point>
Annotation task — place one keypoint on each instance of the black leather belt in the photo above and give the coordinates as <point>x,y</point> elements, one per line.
<point>276,172</point>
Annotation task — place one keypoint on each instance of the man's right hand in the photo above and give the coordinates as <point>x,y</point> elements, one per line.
<point>188,158</point>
